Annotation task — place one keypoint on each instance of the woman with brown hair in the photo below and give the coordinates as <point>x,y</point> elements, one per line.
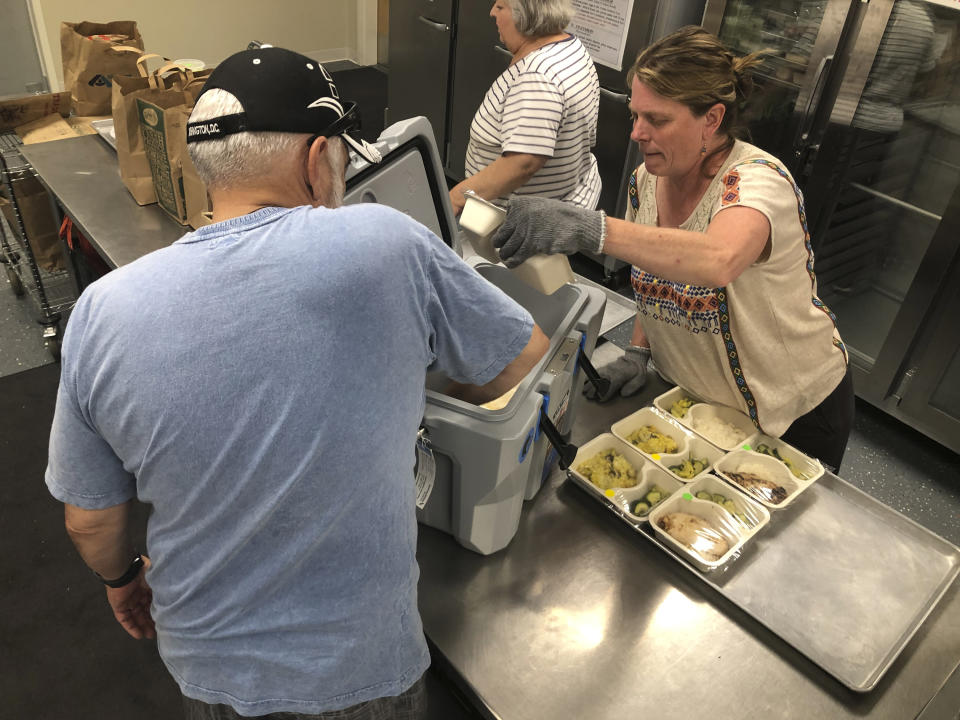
<point>722,264</point>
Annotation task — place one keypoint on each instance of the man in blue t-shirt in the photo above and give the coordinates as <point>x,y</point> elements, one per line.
<point>260,384</point>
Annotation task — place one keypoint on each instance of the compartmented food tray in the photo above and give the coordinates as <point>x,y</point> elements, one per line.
<point>673,447</point>
<point>724,427</point>
<point>763,477</point>
<point>838,575</point>
<point>801,466</point>
<point>703,531</point>
<point>647,477</point>
<point>749,513</point>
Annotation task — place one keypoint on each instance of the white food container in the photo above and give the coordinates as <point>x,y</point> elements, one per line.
<point>688,444</point>
<point>481,218</point>
<point>809,468</point>
<point>771,468</point>
<point>705,412</point>
<point>665,401</point>
<point>755,515</point>
<point>648,474</point>
<point>719,520</point>
<point>702,410</point>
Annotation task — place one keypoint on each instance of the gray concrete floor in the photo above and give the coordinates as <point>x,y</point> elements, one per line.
<point>21,336</point>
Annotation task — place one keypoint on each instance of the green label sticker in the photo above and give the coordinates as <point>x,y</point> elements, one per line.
<point>687,496</point>
<point>746,447</point>
<point>656,456</point>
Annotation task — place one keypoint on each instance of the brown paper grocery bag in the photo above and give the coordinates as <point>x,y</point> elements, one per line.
<point>92,54</point>
<point>131,158</point>
<point>36,212</point>
<point>195,196</point>
<point>162,114</point>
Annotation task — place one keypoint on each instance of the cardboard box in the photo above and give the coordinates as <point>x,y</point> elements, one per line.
<point>19,111</point>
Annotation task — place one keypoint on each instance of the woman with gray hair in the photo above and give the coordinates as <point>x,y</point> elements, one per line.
<point>533,132</point>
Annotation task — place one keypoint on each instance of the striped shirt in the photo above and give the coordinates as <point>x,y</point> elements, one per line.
<point>545,104</point>
<point>906,49</point>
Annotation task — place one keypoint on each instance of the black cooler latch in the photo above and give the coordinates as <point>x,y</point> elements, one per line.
<point>600,384</point>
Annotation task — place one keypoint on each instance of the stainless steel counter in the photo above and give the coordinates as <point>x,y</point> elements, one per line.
<point>580,617</point>
<point>83,175</point>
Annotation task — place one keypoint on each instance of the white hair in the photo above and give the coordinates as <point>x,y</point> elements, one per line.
<point>238,159</point>
<point>536,18</point>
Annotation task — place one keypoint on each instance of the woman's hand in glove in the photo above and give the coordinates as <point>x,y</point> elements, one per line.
<point>541,226</point>
<point>627,374</point>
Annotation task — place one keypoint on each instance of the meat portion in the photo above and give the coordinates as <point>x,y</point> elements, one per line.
<point>759,486</point>
<point>695,533</point>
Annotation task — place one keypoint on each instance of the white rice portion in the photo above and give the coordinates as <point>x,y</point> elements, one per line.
<point>719,432</point>
<point>756,468</point>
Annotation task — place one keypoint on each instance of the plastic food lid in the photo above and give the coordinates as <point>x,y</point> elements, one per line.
<point>192,64</point>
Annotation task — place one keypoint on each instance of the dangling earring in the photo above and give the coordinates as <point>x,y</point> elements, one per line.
<point>703,149</point>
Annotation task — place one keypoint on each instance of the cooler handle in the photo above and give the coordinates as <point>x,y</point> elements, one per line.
<point>566,451</point>
<point>600,384</point>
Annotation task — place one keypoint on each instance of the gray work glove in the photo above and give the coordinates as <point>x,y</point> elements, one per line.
<point>541,226</point>
<point>627,374</point>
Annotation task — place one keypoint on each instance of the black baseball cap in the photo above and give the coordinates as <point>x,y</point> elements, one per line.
<point>281,91</point>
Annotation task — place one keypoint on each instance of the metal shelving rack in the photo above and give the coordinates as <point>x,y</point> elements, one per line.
<point>53,292</point>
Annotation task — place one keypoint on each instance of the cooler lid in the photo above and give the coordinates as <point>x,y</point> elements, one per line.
<point>410,178</point>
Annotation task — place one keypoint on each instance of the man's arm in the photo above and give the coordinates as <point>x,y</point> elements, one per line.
<point>509,377</point>
<point>102,539</point>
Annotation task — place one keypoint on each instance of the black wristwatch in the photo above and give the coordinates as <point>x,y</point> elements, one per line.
<point>128,577</point>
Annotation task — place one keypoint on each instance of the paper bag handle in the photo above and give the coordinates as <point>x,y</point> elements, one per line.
<point>161,71</point>
<point>141,62</point>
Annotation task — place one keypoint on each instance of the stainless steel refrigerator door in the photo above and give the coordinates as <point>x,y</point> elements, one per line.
<point>421,33</point>
<point>884,199</point>
<point>478,61</point>
<point>801,38</point>
<point>928,394</point>
<point>616,155</point>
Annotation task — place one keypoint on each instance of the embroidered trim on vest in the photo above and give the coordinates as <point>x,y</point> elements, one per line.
<point>817,302</point>
<point>731,188</point>
<point>632,190</point>
<point>734,357</point>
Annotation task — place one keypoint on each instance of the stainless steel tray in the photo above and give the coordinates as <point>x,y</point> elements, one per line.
<point>105,130</point>
<point>838,575</point>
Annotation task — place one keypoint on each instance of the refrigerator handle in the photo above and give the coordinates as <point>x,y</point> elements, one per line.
<point>438,26</point>
<point>803,149</point>
<point>819,81</point>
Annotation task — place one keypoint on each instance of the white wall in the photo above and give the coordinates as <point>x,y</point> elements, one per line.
<point>324,29</point>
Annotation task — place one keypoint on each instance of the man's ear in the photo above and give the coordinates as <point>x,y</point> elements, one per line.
<point>316,161</point>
